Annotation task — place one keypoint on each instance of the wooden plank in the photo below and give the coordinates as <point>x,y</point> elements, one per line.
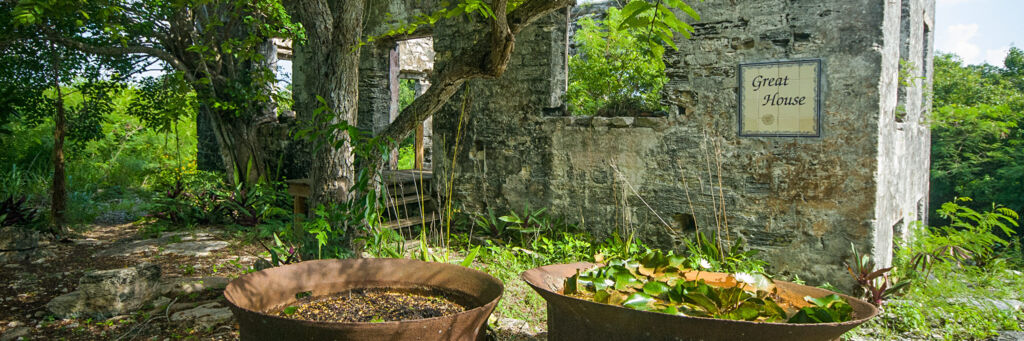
<point>418,163</point>
<point>413,221</point>
<point>408,199</point>
<point>299,188</point>
<point>407,177</point>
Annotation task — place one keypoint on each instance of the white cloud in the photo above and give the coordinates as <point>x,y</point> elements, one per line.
<point>996,56</point>
<point>958,41</point>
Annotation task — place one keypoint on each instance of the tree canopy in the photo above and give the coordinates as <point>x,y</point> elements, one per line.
<point>978,132</point>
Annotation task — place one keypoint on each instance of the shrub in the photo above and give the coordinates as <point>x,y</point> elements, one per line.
<point>612,73</point>
<point>15,212</point>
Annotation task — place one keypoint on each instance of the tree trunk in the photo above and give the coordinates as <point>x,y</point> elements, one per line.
<point>207,150</point>
<point>58,200</point>
<point>246,145</point>
<point>240,151</point>
<point>330,69</point>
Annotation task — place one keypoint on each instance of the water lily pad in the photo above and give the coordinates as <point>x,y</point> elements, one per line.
<point>657,289</point>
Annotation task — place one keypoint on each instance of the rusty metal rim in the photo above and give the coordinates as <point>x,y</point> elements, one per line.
<point>479,305</point>
<point>586,265</point>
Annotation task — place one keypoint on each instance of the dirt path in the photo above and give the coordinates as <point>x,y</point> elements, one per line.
<point>184,258</point>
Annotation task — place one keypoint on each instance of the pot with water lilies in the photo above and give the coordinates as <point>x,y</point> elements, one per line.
<point>364,299</point>
<point>656,298</point>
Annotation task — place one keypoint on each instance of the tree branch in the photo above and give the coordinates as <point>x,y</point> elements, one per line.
<point>121,51</point>
<point>485,59</point>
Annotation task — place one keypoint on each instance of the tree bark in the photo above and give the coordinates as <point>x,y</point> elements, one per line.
<point>207,149</point>
<point>58,200</point>
<point>330,62</point>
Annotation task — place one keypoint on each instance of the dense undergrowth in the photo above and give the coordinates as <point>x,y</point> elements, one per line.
<point>110,178</point>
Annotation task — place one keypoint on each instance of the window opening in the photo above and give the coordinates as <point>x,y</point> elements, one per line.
<point>609,74</point>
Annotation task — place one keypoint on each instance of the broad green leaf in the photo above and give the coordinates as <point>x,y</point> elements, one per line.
<point>639,301</point>
<point>656,289</point>
<point>702,301</point>
<point>626,281</point>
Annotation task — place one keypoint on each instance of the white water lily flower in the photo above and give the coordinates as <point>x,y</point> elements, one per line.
<point>744,277</point>
<point>705,264</point>
<point>759,282</point>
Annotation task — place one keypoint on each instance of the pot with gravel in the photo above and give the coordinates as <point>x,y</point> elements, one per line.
<point>364,299</point>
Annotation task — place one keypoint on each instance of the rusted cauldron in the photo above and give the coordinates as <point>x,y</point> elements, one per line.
<point>252,296</point>
<point>571,318</point>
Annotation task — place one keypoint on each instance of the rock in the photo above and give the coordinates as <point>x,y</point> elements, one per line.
<point>204,316</point>
<point>1008,336</point>
<point>1000,304</point>
<point>187,236</point>
<point>181,306</point>
<point>160,305</point>
<point>87,242</point>
<point>128,249</point>
<point>109,292</point>
<point>42,256</point>
<point>15,324</point>
<point>14,334</point>
<point>183,286</point>
<point>161,302</point>
<point>620,122</point>
<point>18,239</point>
<point>515,329</point>
<point>118,318</point>
<point>195,248</point>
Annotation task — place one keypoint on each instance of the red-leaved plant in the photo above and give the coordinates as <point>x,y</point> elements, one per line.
<point>877,286</point>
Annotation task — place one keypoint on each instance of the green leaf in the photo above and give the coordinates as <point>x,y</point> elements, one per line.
<point>470,257</point>
<point>638,301</point>
<point>685,8</point>
<point>290,310</point>
<point>626,281</point>
<point>748,311</point>
<point>631,11</point>
<point>672,310</point>
<point>702,301</point>
<point>656,289</point>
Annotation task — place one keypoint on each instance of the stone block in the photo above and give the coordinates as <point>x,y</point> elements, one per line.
<point>204,316</point>
<point>109,292</point>
<point>16,238</point>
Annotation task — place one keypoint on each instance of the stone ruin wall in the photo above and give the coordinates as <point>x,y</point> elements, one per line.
<point>801,201</point>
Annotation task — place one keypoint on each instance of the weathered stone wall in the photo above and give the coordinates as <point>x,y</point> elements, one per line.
<point>376,80</point>
<point>501,158</point>
<point>802,201</point>
<point>904,155</point>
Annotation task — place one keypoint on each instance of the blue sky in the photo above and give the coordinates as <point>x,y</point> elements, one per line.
<point>979,30</point>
